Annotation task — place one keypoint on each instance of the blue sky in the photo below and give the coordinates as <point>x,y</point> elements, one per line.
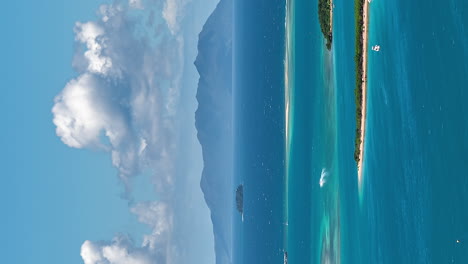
<point>58,194</point>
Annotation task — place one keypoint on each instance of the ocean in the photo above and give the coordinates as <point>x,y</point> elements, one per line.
<point>299,176</point>
<point>259,130</point>
<point>313,211</point>
<point>416,194</point>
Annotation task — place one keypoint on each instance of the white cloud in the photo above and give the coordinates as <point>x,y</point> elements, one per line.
<point>81,113</point>
<point>155,248</point>
<point>137,4</point>
<point>159,217</point>
<point>91,35</point>
<point>125,98</point>
<point>173,13</point>
<point>118,251</point>
<point>90,253</point>
<point>153,214</point>
<point>125,102</point>
<point>170,14</point>
<point>109,11</point>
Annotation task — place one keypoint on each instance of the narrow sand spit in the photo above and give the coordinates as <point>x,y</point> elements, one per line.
<point>364,90</point>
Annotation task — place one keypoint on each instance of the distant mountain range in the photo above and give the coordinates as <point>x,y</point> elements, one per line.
<point>214,123</point>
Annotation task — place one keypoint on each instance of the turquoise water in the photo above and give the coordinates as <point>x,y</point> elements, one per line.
<point>316,209</point>
<point>416,195</point>
<point>414,203</point>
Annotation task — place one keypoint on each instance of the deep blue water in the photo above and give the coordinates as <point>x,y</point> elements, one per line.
<point>259,134</point>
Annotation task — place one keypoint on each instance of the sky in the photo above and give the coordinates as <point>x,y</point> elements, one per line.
<point>101,162</point>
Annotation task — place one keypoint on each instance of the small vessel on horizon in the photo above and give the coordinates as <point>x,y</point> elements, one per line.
<point>376,48</point>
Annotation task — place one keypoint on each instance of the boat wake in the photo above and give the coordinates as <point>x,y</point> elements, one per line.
<point>323,177</point>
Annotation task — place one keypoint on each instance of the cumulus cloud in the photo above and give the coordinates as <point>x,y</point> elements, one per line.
<point>173,13</point>
<point>91,35</point>
<point>124,101</point>
<point>118,251</point>
<point>156,247</point>
<point>159,217</point>
<point>82,111</point>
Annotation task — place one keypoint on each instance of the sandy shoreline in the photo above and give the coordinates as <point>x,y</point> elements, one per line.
<point>364,90</point>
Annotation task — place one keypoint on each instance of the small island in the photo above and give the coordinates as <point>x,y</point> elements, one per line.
<point>325,14</point>
<point>240,199</point>
<point>360,59</point>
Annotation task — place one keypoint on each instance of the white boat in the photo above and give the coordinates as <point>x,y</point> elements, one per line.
<point>376,48</point>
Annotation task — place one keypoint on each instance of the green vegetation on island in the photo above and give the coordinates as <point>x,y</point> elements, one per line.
<point>324,14</point>
<point>240,198</point>
<point>358,59</point>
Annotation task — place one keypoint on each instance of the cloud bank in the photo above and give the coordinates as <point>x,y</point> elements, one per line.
<point>173,13</point>
<point>121,250</point>
<point>124,101</point>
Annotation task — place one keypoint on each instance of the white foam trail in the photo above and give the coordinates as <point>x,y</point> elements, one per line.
<point>323,177</point>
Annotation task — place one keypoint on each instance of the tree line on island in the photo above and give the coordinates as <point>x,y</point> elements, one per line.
<point>324,8</point>
<point>240,198</point>
<point>358,59</point>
